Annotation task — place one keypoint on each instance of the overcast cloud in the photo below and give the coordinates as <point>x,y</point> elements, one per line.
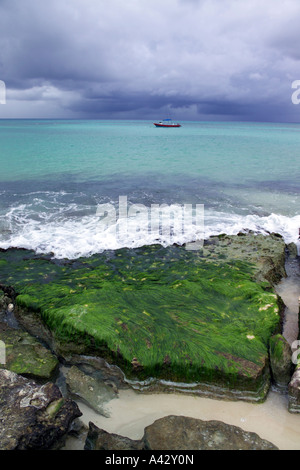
<point>192,59</point>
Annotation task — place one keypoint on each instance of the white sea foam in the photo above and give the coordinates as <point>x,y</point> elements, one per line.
<point>66,234</point>
<point>288,227</point>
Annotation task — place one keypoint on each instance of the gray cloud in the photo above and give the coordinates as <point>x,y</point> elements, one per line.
<point>198,58</point>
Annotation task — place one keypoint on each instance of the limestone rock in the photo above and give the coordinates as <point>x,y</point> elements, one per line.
<point>94,392</point>
<point>32,416</point>
<point>98,439</point>
<point>267,253</point>
<point>181,433</point>
<point>108,373</point>
<point>292,249</point>
<point>134,309</point>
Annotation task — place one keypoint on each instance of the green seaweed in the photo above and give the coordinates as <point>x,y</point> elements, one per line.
<point>175,314</point>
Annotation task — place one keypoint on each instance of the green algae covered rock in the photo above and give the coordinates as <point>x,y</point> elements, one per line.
<point>25,355</point>
<point>201,317</point>
<point>281,361</point>
<point>265,253</point>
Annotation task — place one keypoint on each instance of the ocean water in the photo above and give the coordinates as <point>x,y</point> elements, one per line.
<point>61,182</point>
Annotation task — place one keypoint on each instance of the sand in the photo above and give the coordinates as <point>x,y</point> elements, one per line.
<point>132,411</point>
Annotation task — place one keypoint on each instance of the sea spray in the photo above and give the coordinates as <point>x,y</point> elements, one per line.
<point>72,236</point>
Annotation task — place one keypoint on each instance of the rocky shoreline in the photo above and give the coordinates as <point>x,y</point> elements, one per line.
<point>36,355</point>
<point>33,417</point>
<point>180,433</point>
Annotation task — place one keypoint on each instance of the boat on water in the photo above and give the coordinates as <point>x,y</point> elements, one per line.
<point>166,123</point>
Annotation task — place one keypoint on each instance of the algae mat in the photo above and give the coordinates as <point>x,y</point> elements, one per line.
<point>157,312</point>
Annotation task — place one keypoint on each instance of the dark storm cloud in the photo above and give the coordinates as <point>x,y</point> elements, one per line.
<point>197,58</point>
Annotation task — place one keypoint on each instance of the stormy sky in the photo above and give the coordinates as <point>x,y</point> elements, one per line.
<point>148,59</point>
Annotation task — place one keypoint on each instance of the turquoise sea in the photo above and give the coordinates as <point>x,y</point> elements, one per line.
<point>55,174</point>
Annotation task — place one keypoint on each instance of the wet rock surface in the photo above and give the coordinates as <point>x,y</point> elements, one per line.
<point>46,403</point>
<point>32,416</point>
<point>135,307</point>
<point>25,355</point>
<point>281,361</point>
<point>95,393</point>
<point>98,439</point>
<point>180,433</point>
<point>266,252</point>
<point>92,365</point>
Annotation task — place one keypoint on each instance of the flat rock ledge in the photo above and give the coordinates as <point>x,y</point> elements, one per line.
<point>180,433</point>
<point>130,340</point>
<point>32,416</point>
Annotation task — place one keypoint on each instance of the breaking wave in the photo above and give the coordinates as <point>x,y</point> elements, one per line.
<point>73,231</point>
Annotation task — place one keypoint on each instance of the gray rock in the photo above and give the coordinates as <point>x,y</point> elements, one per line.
<point>292,249</point>
<point>94,392</point>
<point>98,439</point>
<point>181,433</point>
<point>93,365</point>
<point>32,416</point>
<point>267,253</point>
<point>5,301</point>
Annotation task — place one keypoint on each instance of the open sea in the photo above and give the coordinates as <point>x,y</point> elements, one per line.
<point>56,174</point>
